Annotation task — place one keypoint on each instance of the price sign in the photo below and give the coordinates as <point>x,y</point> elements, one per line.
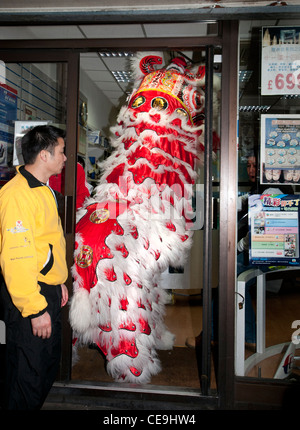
<point>285,83</point>
<point>280,66</point>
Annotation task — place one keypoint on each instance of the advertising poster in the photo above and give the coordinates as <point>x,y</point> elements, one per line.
<point>280,149</point>
<point>280,60</point>
<point>274,229</point>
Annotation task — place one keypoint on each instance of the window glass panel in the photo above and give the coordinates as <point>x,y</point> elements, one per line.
<point>267,305</point>
<point>30,93</point>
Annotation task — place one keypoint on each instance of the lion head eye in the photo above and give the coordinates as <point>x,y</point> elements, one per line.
<point>159,103</point>
<point>139,101</point>
<point>182,112</point>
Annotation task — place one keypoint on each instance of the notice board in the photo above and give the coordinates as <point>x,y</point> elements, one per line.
<point>274,229</point>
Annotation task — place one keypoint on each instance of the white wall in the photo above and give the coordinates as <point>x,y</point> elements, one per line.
<point>101,112</point>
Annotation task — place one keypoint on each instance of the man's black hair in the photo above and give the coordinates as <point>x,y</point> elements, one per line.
<point>39,138</point>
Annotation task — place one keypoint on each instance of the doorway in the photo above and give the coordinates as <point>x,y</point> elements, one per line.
<point>227,157</point>
<point>181,366</point>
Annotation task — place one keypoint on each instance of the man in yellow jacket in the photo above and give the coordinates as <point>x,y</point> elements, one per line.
<point>33,263</point>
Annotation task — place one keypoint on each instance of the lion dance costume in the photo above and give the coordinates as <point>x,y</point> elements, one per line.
<point>135,226</point>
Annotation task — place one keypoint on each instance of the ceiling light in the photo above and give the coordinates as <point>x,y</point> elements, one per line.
<point>264,108</point>
<point>115,54</point>
<point>122,76</point>
<point>245,75</point>
<point>291,96</point>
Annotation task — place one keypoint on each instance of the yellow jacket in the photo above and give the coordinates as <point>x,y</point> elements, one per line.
<point>32,243</point>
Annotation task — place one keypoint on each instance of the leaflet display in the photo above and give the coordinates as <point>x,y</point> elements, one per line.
<point>280,149</point>
<point>274,229</point>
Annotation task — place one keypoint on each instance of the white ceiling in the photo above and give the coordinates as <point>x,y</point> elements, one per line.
<point>99,69</point>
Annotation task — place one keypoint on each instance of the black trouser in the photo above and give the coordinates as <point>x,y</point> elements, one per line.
<point>31,362</point>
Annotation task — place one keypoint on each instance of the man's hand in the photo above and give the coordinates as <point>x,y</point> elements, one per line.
<point>64,295</point>
<point>41,326</point>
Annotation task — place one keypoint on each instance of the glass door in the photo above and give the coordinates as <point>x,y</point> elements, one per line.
<point>32,92</point>
<point>189,288</point>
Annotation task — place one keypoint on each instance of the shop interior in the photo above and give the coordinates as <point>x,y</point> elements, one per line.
<point>104,86</point>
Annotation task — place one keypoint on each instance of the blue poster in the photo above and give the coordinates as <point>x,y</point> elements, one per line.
<point>274,229</point>
<point>8,115</point>
<point>280,149</point>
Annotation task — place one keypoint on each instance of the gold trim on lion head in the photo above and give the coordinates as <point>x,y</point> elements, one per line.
<point>85,258</point>
<point>99,216</point>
